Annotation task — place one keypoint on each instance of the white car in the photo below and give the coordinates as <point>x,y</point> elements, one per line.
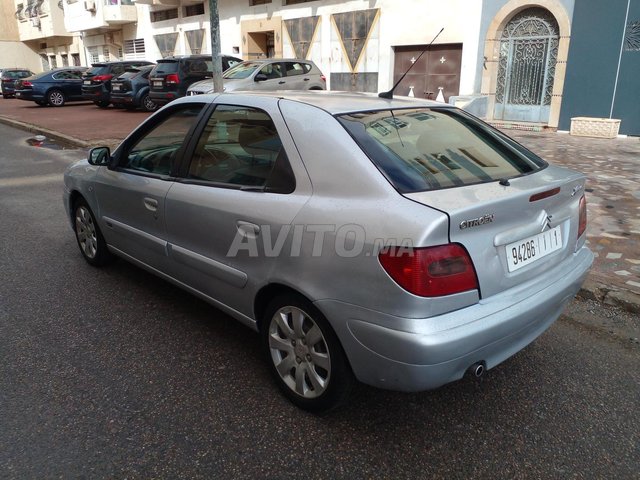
<point>271,74</point>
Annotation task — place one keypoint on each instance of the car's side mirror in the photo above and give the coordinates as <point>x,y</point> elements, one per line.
<point>261,77</point>
<point>99,156</point>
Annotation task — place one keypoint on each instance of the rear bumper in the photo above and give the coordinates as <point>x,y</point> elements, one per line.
<point>123,98</point>
<point>430,352</point>
<point>162,98</point>
<point>95,93</point>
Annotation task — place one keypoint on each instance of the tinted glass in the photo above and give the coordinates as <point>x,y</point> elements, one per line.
<point>240,146</point>
<point>272,70</point>
<point>241,70</point>
<point>295,68</point>
<point>156,151</point>
<point>129,74</point>
<point>165,66</point>
<point>97,70</point>
<point>428,149</point>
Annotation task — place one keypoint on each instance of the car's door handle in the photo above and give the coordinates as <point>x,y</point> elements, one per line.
<point>150,204</point>
<point>247,229</point>
<point>306,79</point>
<point>281,82</point>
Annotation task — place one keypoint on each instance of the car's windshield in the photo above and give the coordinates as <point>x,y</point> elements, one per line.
<point>241,70</point>
<point>432,148</point>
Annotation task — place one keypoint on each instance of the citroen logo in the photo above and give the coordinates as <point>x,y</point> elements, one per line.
<point>547,223</point>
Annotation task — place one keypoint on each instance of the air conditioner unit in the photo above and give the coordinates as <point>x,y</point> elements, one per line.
<point>90,5</point>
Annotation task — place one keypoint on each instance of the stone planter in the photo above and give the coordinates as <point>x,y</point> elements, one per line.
<point>595,127</point>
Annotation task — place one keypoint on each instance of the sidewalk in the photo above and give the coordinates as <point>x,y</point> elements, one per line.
<point>612,168</point>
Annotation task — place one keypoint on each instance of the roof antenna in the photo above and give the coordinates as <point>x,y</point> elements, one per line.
<point>389,94</point>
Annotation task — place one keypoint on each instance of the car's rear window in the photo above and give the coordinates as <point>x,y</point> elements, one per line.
<point>129,74</point>
<point>431,148</point>
<point>241,70</point>
<point>165,66</point>
<point>97,70</point>
<point>16,74</point>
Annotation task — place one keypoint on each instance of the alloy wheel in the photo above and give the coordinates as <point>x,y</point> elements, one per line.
<point>299,352</point>
<point>148,104</point>
<point>56,98</point>
<point>86,232</point>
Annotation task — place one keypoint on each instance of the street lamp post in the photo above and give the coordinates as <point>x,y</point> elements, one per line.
<point>214,21</point>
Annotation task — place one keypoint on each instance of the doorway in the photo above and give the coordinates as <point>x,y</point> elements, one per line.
<point>261,45</point>
<point>526,67</point>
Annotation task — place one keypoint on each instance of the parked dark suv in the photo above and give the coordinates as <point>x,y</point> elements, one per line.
<point>96,85</point>
<point>9,78</point>
<point>131,89</point>
<point>173,75</point>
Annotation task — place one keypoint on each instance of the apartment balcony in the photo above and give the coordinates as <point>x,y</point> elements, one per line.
<point>86,15</point>
<point>168,3</point>
<point>40,19</point>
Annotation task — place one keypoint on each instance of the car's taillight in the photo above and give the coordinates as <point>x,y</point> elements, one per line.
<point>323,78</point>
<point>430,271</point>
<point>26,83</point>
<point>102,78</point>
<point>172,79</point>
<point>582,223</point>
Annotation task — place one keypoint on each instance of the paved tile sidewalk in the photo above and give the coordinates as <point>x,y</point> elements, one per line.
<point>613,198</point>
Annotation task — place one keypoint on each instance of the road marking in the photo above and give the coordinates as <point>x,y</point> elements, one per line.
<point>25,181</point>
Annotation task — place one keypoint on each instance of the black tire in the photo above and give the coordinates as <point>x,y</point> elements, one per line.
<point>314,372</point>
<point>147,104</point>
<point>102,104</point>
<point>41,103</point>
<point>5,96</point>
<point>88,235</point>
<point>55,98</point>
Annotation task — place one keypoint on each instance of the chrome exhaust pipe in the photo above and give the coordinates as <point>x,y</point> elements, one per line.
<point>477,369</point>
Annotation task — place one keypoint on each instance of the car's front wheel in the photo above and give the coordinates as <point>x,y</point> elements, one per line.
<point>304,354</point>
<point>90,240</point>
<point>55,98</point>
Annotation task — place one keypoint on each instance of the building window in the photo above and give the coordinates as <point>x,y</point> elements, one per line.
<point>193,10</point>
<point>65,60</point>
<point>134,49</point>
<point>19,11</point>
<point>163,15</point>
<point>45,62</point>
<point>105,53</point>
<point>166,43</point>
<point>258,2</point>
<point>293,2</point>
<point>194,39</point>
<point>94,57</point>
<point>53,61</point>
<point>75,57</point>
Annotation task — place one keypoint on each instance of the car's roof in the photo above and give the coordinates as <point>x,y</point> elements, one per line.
<point>334,102</point>
<point>271,60</point>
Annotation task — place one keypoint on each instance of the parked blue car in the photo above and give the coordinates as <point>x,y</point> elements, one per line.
<point>131,89</point>
<point>55,87</point>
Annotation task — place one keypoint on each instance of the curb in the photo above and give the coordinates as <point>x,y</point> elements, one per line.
<point>76,142</point>
<point>594,288</point>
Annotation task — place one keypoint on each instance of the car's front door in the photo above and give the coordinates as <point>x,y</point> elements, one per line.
<point>229,214</point>
<point>275,77</point>
<point>131,196</point>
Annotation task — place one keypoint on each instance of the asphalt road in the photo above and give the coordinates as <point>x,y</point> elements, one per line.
<point>114,373</point>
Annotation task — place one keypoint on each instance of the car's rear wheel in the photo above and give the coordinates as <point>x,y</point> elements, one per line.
<point>55,98</point>
<point>147,104</point>
<point>90,240</point>
<point>102,103</point>
<point>304,354</point>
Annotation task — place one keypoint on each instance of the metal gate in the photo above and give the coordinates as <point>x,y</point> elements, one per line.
<point>528,54</point>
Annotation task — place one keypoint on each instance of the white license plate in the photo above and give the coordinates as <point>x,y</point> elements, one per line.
<point>87,82</point>
<point>17,94</point>
<point>116,88</point>
<point>157,84</point>
<point>526,251</point>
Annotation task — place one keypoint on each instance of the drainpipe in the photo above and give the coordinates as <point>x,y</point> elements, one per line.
<point>624,34</point>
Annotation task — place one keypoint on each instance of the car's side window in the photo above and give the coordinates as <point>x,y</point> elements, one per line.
<point>240,147</point>
<point>272,70</point>
<point>156,151</point>
<point>294,68</point>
